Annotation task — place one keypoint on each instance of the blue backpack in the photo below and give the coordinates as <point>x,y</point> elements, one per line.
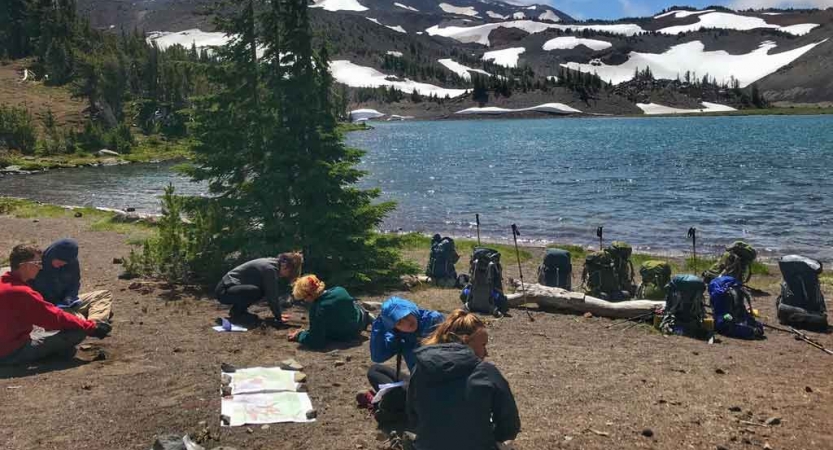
<point>731,317</point>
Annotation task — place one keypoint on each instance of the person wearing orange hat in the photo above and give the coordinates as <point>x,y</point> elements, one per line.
<point>334,315</point>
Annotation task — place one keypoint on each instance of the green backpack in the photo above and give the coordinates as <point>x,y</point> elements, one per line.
<point>620,253</point>
<point>736,262</point>
<point>655,276</point>
<point>599,277</point>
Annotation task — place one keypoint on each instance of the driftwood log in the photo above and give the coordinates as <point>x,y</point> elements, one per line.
<point>550,297</point>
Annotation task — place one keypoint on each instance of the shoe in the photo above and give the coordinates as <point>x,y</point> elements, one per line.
<point>243,317</point>
<point>364,399</point>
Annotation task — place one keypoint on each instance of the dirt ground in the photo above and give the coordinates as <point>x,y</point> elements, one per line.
<point>579,383</point>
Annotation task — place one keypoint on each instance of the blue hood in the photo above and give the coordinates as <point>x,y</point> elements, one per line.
<point>395,309</point>
<point>65,249</point>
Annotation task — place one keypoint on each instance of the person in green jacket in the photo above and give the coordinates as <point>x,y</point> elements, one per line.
<point>333,314</point>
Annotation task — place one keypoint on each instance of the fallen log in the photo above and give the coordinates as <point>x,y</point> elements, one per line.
<point>550,297</point>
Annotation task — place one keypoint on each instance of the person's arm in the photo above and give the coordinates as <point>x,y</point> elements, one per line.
<point>271,290</point>
<point>49,317</point>
<point>383,343</point>
<point>74,282</point>
<point>505,416</point>
<point>316,336</point>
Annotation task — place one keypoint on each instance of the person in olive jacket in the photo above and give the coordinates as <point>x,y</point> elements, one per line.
<point>333,314</point>
<point>456,401</point>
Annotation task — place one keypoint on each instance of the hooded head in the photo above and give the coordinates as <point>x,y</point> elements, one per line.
<point>444,362</point>
<point>395,309</point>
<point>60,253</point>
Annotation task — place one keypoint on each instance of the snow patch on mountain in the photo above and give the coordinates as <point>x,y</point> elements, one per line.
<point>480,34</point>
<point>359,115</point>
<point>409,8</point>
<point>556,108</point>
<point>339,5</point>
<point>682,14</point>
<point>197,37</point>
<point>354,75</point>
<point>549,16</point>
<point>654,108</point>
<point>730,21</point>
<point>692,57</point>
<point>519,16</point>
<point>495,15</point>
<point>461,70</point>
<point>571,42</point>
<point>397,28</point>
<point>507,57</point>
<point>463,11</point>
<point>394,53</point>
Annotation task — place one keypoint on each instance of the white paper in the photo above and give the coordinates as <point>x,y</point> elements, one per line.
<point>384,388</point>
<point>262,379</point>
<point>262,408</point>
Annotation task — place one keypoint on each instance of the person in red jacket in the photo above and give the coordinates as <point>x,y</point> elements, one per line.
<point>21,308</point>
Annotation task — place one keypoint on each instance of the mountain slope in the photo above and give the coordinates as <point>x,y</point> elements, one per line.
<point>789,54</point>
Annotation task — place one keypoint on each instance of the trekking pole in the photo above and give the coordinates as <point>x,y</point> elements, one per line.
<point>477,220</point>
<point>515,234</point>
<point>692,234</point>
<point>637,318</point>
<point>600,233</point>
<point>800,336</point>
<point>398,361</point>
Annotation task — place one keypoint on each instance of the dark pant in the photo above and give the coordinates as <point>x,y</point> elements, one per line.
<point>240,297</point>
<point>392,407</point>
<point>41,347</point>
<point>379,374</point>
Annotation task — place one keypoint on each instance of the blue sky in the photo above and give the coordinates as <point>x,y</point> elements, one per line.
<point>614,9</point>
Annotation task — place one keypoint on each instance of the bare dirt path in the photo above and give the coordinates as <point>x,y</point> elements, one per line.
<point>578,383</point>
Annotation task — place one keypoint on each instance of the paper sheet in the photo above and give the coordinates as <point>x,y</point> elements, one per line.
<point>384,388</point>
<point>272,407</point>
<point>228,326</point>
<point>262,379</point>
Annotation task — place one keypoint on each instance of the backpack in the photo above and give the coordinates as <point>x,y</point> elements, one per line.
<point>684,309</point>
<point>556,270</point>
<point>599,278</point>
<point>620,252</point>
<point>736,262</point>
<point>731,317</point>
<point>801,302</point>
<point>485,292</point>
<point>442,259</point>
<point>655,276</point>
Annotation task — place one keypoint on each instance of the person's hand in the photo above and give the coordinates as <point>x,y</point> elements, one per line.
<point>293,335</point>
<point>285,317</point>
<point>102,329</point>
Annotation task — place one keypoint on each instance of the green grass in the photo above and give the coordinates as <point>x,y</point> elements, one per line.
<point>826,279</point>
<point>97,220</point>
<point>416,241</point>
<point>345,127</point>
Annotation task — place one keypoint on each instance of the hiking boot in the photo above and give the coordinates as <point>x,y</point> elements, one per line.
<point>242,317</point>
<point>364,399</point>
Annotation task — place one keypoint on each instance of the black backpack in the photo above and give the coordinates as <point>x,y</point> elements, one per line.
<point>484,294</point>
<point>599,277</point>
<point>620,253</point>
<point>442,259</point>
<point>556,270</point>
<point>801,302</point>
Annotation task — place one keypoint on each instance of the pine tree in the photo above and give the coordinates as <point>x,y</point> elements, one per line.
<point>274,160</point>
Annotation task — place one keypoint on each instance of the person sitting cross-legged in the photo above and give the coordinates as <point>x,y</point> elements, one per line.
<point>333,314</point>
<point>263,278</point>
<point>397,332</point>
<point>22,308</point>
<point>456,401</point>
<point>59,282</point>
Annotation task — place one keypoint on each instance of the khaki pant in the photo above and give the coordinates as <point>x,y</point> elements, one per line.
<point>96,305</point>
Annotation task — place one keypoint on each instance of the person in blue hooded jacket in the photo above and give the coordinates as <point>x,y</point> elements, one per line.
<point>400,327</point>
<point>59,282</point>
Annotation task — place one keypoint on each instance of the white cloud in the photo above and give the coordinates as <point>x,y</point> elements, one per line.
<point>761,4</point>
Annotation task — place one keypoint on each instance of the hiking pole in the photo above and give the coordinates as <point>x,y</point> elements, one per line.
<point>800,336</point>
<point>637,318</point>
<point>515,234</point>
<point>477,220</point>
<point>600,233</point>
<point>399,360</point>
<point>692,234</point>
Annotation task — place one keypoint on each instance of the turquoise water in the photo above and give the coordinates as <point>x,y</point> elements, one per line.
<point>646,180</point>
<point>768,180</point>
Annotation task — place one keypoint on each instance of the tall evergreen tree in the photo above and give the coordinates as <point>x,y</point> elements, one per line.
<point>274,160</point>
